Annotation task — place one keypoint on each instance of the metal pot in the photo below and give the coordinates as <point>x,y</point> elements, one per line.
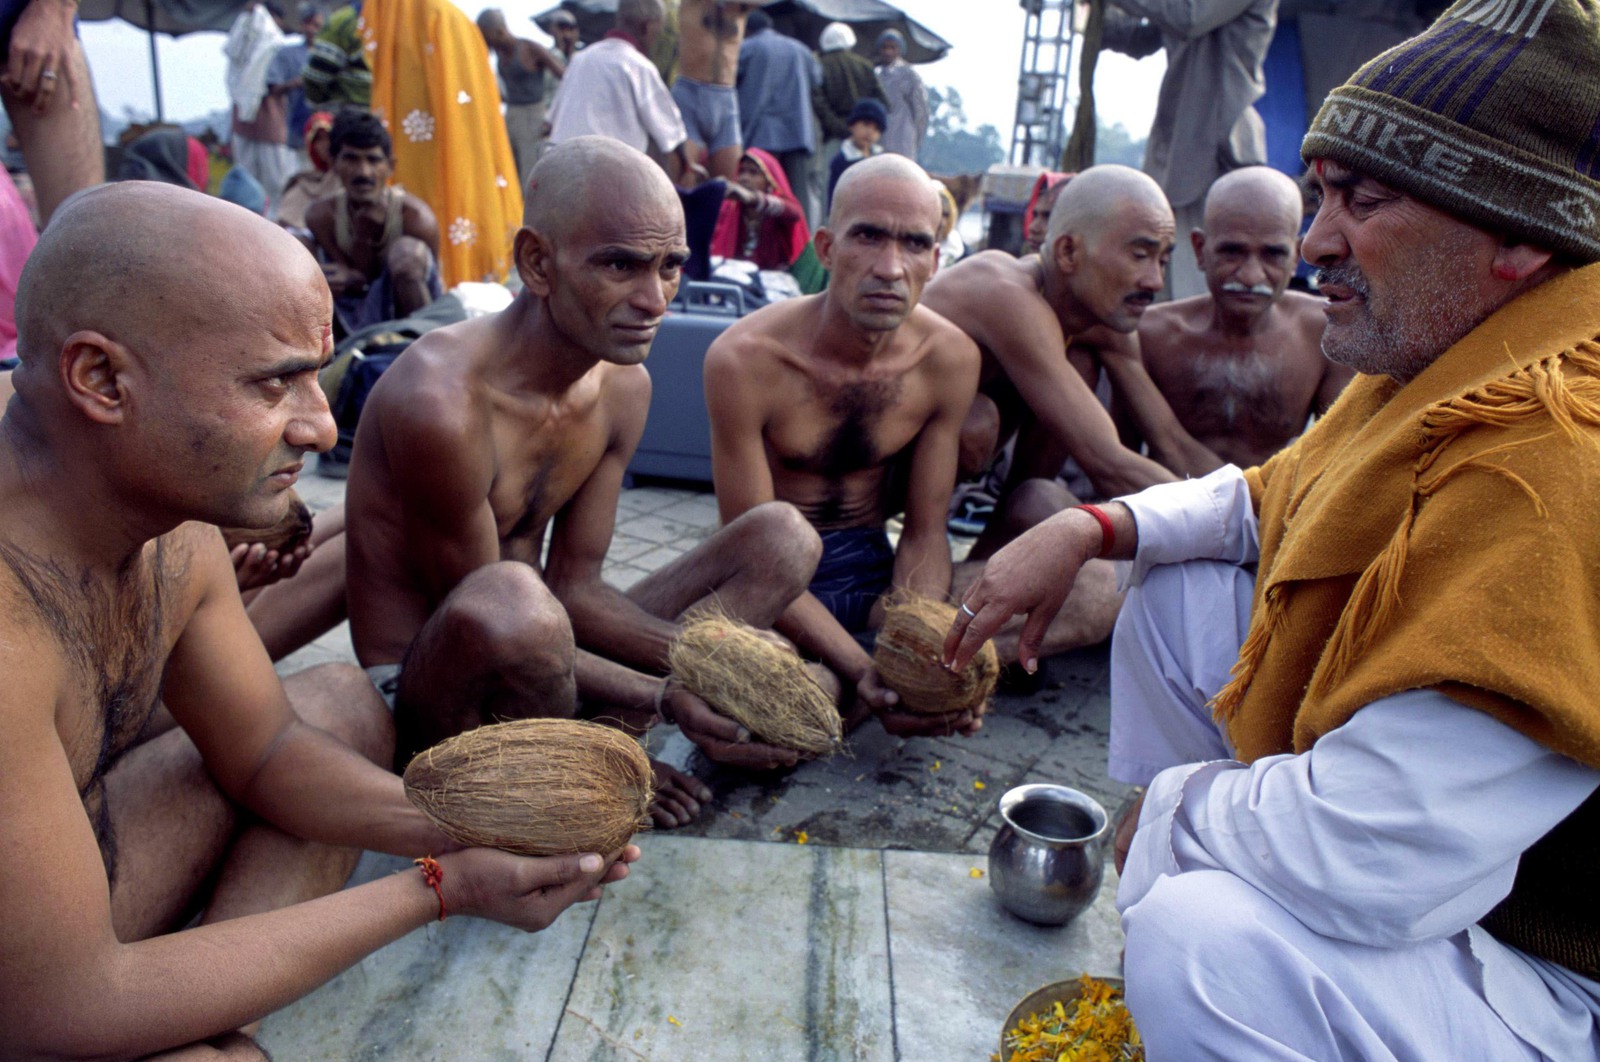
<point>1047,859</point>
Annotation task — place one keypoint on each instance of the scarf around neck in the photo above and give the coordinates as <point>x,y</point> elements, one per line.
<point>1439,535</point>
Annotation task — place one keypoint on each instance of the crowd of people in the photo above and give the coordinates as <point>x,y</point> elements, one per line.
<point>1337,540</point>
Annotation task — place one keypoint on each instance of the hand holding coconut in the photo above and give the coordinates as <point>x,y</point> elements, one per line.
<point>722,738</point>
<point>1032,576</point>
<point>263,556</point>
<point>525,892</point>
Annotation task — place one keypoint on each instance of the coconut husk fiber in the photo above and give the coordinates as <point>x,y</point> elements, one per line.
<point>757,682</point>
<point>535,787</point>
<point>283,536</point>
<point>908,659</point>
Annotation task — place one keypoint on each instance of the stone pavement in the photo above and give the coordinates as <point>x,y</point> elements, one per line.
<point>841,911</point>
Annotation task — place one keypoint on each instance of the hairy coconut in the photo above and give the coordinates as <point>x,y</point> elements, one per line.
<point>754,680</point>
<point>908,654</point>
<point>535,787</point>
<point>283,536</point>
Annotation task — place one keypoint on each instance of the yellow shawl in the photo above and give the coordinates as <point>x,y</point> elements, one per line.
<point>1441,535</point>
<point>432,86</point>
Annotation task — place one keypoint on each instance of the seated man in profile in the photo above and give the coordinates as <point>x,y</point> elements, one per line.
<point>488,437</point>
<point>849,405</point>
<point>1110,233</point>
<point>164,893</point>
<point>1241,367</point>
<point>379,245</point>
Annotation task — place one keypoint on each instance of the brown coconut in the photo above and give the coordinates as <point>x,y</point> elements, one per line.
<point>283,536</point>
<point>908,654</point>
<point>535,787</point>
<point>757,682</point>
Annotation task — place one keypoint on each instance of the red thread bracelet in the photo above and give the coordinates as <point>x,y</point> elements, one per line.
<point>433,876</point>
<point>1108,533</point>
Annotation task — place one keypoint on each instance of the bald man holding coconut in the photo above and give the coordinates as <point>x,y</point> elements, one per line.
<point>144,413</point>
<point>489,437</point>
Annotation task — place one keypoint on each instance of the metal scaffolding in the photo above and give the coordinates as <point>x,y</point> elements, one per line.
<point>1040,131</point>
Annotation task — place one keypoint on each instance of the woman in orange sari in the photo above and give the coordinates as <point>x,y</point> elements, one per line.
<point>433,86</point>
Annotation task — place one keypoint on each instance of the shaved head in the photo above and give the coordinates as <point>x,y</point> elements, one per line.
<point>1256,191</point>
<point>1096,196</point>
<point>156,267</point>
<point>491,18</point>
<point>588,175</point>
<point>883,169</point>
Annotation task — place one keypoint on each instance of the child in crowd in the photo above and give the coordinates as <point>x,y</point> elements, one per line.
<point>868,120</point>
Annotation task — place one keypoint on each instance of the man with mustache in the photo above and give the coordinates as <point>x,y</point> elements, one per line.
<point>1109,237</point>
<point>1242,367</point>
<point>379,245</point>
<point>166,892</point>
<point>848,404</point>
<point>487,438</point>
<point>1359,679</point>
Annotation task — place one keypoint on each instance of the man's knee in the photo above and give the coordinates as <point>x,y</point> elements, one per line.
<point>1185,939</point>
<point>1033,501</point>
<point>777,537</point>
<point>980,437</point>
<point>341,699</point>
<point>507,617</point>
<point>409,260</point>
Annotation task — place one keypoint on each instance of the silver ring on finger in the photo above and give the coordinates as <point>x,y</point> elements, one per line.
<point>970,614</point>
<point>48,75</point>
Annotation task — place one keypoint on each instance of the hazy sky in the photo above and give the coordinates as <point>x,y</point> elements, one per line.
<point>982,66</point>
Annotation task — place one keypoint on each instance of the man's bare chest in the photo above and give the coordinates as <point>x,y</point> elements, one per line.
<point>538,473</point>
<point>849,426</point>
<point>111,639</point>
<point>1259,394</point>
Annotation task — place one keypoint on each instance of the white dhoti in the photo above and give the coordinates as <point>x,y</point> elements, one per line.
<point>1321,906</point>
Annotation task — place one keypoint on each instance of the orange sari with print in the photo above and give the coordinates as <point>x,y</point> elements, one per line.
<point>433,87</point>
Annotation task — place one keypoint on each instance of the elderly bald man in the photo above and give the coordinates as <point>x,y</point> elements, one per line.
<point>150,399</point>
<point>489,437</point>
<point>1242,366</point>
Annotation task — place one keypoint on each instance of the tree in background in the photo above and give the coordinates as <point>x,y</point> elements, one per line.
<point>1113,143</point>
<point>950,146</point>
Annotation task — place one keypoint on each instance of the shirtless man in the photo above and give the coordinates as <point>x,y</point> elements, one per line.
<point>143,412</point>
<point>484,435</point>
<point>1110,234</point>
<point>378,243</point>
<point>849,404</point>
<point>709,35</point>
<point>1242,368</point>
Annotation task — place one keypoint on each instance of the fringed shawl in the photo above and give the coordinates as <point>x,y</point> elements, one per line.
<point>1440,535</point>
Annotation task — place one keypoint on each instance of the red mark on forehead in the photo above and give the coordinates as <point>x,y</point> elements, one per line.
<point>1319,164</point>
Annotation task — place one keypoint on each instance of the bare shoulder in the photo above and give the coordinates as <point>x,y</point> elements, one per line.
<point>989,282</point>
<point>416,210</point>
<point>762,343</point>
<point>432,395</point>
<point>626,391</point>
<point>947,346</point>
<point>1166,322</point>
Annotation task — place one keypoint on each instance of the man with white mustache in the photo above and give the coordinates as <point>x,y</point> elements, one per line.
<point>1242,366</point>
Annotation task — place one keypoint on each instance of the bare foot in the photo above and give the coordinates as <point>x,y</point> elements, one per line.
<point>678,796</point>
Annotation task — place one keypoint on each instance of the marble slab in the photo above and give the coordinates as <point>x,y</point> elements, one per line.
<point>732,950</point>
<point>961,961</point>
<point>462,989</point>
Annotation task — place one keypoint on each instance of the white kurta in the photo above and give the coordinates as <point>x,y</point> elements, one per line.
<point>1324,905</point>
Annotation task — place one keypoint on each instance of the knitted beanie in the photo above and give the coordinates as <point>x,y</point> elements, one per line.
<point>1491,115</point>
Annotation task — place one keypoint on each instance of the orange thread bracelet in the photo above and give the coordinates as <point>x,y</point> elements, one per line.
<point>1108,533</point>
<point>433,875</point>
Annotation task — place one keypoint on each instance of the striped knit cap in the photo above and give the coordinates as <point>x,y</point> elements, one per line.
<point>1491,115</point>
